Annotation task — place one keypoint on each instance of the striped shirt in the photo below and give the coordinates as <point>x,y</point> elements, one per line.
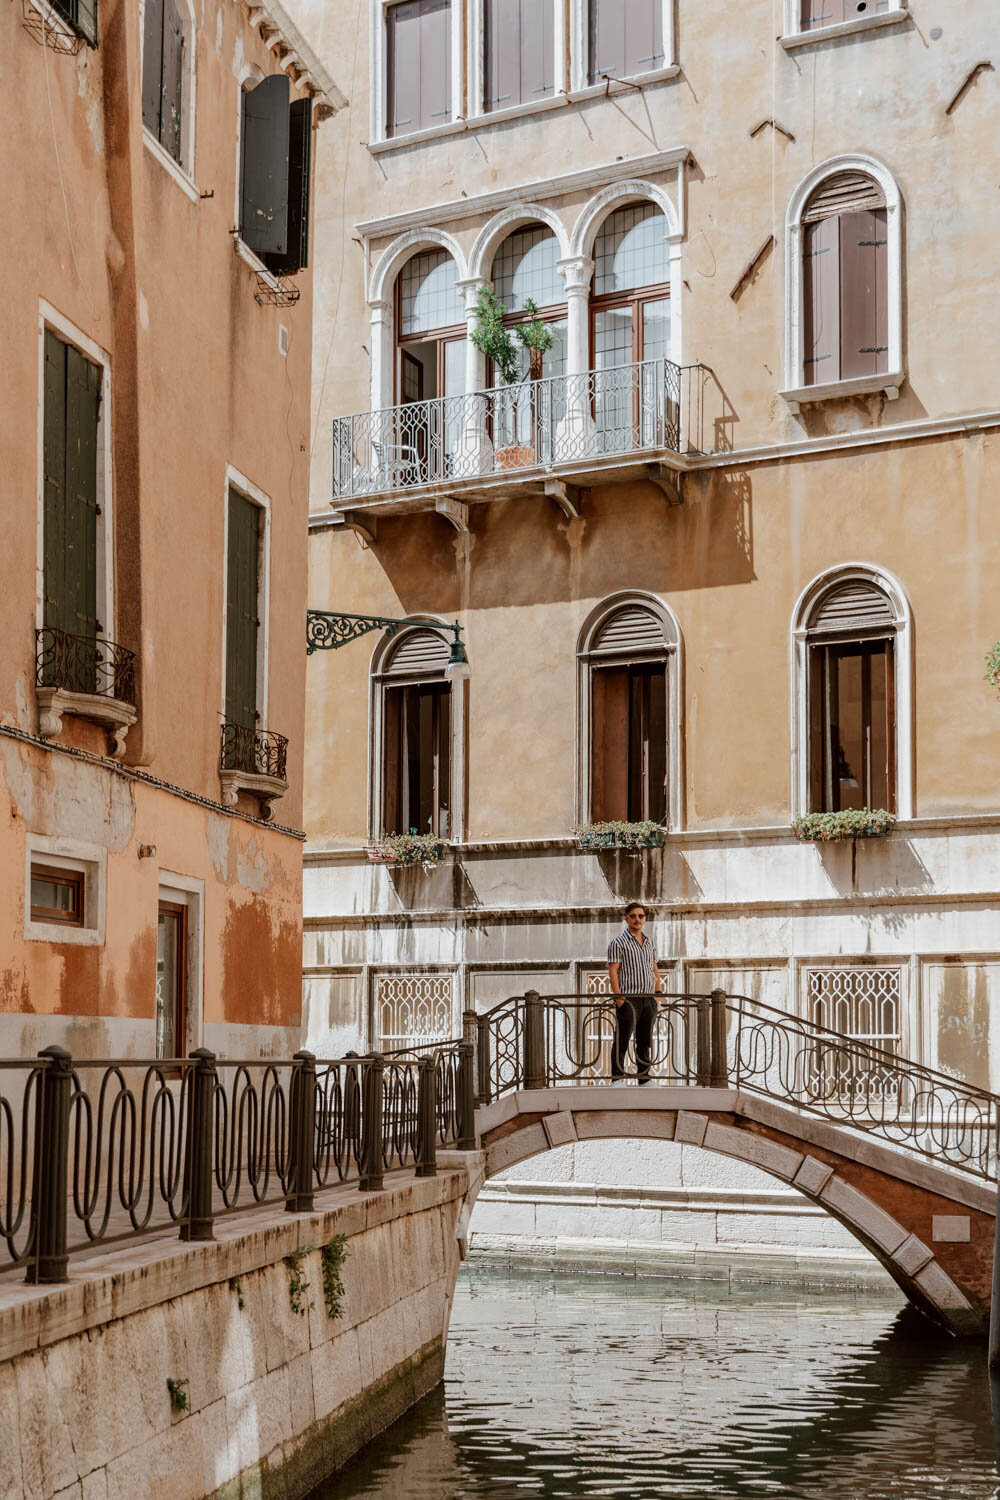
<point>635,960</point>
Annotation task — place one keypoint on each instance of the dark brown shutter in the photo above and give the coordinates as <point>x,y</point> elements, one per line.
<point>403,68</point>
<point>54,481</point>
<point>816,749</point>
<point>152,65</point>
<point>643,40</point>
<point>853,608</point>
<point>537,50</point>
<point>890,725</point>
<point>264,173</point>
<point>435,63</point>
<point>299,171</point>
<point>655,748</point>
<point>820,302</point>
<point>83,385</point>
<point>843,193</point>
<point>391,731</point>
<point>442,762</point>
<point>241,611</point>
<point>85,20</point>
<point>864,303</point>
<point>173,80</point>
<point>609,688</point>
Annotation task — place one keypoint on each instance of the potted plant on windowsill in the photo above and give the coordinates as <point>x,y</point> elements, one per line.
<point>851,823</point>
<point>618,834</point>
<point>494,339</point>
<point>413,848</point>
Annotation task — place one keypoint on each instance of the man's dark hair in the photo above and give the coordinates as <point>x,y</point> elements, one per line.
<point>636,906</point>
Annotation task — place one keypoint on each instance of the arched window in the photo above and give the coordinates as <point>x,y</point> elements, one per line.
<point>629,696</point>
<point>431,328</point>
<point>630,310</point>
<point>415,702</point>
<point>525,270</point>
<point>851,671</point>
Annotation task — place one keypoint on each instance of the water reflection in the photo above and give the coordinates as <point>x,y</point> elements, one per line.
<point>586,1387</point>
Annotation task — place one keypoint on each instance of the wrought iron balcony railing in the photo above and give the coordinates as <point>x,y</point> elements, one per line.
<point>83,664</point>
<point>257,752</point>
<point>560,420</point>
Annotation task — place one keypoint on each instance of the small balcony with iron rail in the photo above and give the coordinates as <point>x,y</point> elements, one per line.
<point>88,676</point>
<point>252,760</point>
<point>550,435</point>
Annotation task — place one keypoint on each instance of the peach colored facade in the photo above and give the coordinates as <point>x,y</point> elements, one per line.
<point>131,258</point>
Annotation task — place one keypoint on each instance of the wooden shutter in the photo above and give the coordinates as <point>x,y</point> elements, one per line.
<point>391,733</point>
<point>820,302</point>
<point>242,622</point>
<point>264,168</point>
<point>609,689</point>
<point>403,70</point>
<point>299,172</point>
<point>817,751</point>
<point>607,39</point>
<point>173,80</point>
<point>435,63</point>
<point>420,653</point>
<point>537,50</point>
<point>442,761</point>
<point>643,40</point>
<point>853,608</point>
<point>86,20</point>
<point>843,193</point>
<point>864,301</point>
<point>83,386</point>
<point>54,482</point>
<point>152,65</point>
<point>817,13</point>
<point>630,630</point>
<point>503,46</point>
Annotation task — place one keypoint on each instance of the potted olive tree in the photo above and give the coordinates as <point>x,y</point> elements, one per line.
<point>494,339</point>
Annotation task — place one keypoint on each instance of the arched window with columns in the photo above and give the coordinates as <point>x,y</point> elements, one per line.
<point>430,328</point>
<point>526,269</point>
<point>630,312</point>
<point>417,716</point>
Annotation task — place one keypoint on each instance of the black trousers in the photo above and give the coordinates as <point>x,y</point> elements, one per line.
<point>635,1014</point>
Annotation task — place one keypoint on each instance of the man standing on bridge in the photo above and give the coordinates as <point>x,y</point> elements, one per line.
<point>635,983</point>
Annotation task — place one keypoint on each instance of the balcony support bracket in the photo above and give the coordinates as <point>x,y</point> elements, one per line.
<point>566,496</point>
<point>668,480</point>
<point>363,526</point>
<point>454,511</point>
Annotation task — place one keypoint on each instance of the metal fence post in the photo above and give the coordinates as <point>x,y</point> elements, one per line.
<point>994,1345</point>
<point>470,1033</point>
<point>534,1041</point>
<point>466,1098</point>
<point>49,1182</point>
<point>484,1092</point>
<point>373,1164</point>
<point>197,1224</point>
<point>719,1070</point>
<point>301,1134</point>
<point>427,1117</point>
<point>703,1054</point>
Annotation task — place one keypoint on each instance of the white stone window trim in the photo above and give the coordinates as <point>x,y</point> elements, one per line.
<point>50,318</point>
<point>189,892</point>
<point>377,679</point>
<point>476,65</point>
<point>902,625</point>
<point>182,171</point>
<point>244,486</point>
<point>89,860</point>
<point>796,392</point>
<point>794,36</point>
<point>673,650</point>
<point>579,48</point>
<point>380,77</point>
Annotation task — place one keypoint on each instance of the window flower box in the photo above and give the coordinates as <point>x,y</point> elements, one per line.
<point>852,823</point>
<point>424,849</point>
<point>621,835</point>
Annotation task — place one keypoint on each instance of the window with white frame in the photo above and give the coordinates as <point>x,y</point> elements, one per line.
<point>418,59</point>
<point>805,18</point>
<point>412,1009</point>
<point>65,891</point>
<point>415,714</point>
<point>168,53</point>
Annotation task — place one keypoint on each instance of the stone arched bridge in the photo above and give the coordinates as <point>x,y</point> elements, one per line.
<point>905,1158</point>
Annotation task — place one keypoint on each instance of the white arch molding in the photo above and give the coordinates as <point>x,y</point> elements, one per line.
<point>674,651</point>
<point>795,389</point>
<point>381,282</point>
<point>492,235</point>
<point>856,572</point>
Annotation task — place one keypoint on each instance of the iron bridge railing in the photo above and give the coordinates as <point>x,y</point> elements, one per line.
<point>84,664</point>
<point>560,419</point>
<point>730,1041</point>
<point>102,1152</point>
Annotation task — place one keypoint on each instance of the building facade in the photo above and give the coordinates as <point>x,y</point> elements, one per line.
<point>156,370</point>
<point>727,558</point>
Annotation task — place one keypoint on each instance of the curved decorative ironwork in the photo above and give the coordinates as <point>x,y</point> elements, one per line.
<point>325,631</point>
<point>84,664</point>
<point>258,752</point>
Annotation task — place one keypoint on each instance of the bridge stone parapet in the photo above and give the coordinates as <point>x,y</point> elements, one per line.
<point>931,1226</point>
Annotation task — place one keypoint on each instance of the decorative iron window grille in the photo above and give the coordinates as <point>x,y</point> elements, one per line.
<point>83,664</point>
<point>258,752</point>
<point>412,1008</point>
<point>864,1005</point>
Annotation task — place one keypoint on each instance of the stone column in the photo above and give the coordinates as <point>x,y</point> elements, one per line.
<point>476,453</point>
<point>574,433</point>
<point>373,449</point>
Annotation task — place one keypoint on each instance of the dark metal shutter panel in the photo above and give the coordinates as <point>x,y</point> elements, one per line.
<point>820,302</point>
<point>404,67</point>
<point>299,173</point>
<point>607,39</point>
<point>643,42</point>
<point>173,79</point>
<point>85,19</point>
<point>152,65</point>
<point>853,606</point>
<point>842,193</point>
<point>264,180</point>
<point>629,630</point>
<point>54,481</point>
<point>609,695</point>
<point>83,381</point>
<point>435,63</point>
<point>241,612</point>
<point>420,652</point>
<point>863,249</point>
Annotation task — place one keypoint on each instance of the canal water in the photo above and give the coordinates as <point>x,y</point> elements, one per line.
<point>590,1386</point>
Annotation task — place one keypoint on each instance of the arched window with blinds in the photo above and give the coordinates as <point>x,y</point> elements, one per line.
<point>626,659</point>
<point>845,280</point>
<point>851,646</point>
<point>416,728</point>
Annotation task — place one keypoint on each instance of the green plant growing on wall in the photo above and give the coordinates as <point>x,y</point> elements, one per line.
<point>236,1285</point>
<point>178,1393</point>
<point>851,823</point>
<point>332,1257</point>
<point>992,675</point>
<point>298,1286</point>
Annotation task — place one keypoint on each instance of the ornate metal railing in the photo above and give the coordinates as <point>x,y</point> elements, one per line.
<point>83,664</point>
<point>731,1041</point>
<point>96,1153</point>
<point>259,752</point>
<point>561,419</point>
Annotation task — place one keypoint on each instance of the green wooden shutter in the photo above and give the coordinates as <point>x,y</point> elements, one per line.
<point>172,83</point>
<point>264,166</point>
<point>152,65</point>
<point>82,397</point>
<point>242,623</point>
<point>299,166</point>
<point>54,482</point>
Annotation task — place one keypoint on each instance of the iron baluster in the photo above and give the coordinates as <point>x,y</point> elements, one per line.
<point>719,1071</point>
<point>197,1223</point>
<point>703,1014</point>
<point>534,1041</point>
<point>427,1116</point>
<point>485,1090</point>
<point>373,1166</point>
<point>466,1098</point>
<point>49,1245</point>
<point>302,1112</point>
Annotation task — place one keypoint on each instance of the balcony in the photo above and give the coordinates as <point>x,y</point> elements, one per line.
<point>255,761</point>
<point>90,677</point>
<point>633,421</point>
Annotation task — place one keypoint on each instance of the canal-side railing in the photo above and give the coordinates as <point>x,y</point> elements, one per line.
<point>101,1152</point>
<point>731,1041</point>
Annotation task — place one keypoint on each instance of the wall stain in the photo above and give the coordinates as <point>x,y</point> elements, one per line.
<point>261,967</point>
